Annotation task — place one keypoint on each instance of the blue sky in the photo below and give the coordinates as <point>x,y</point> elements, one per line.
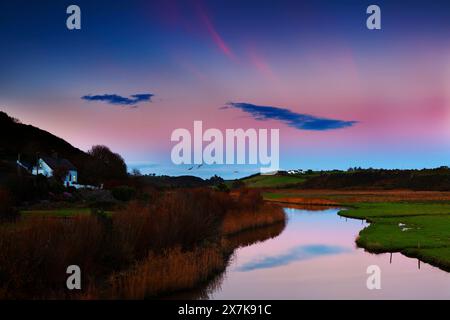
<point>340,94</point>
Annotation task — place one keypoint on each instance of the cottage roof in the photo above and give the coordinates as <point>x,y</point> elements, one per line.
<point>58,162</point>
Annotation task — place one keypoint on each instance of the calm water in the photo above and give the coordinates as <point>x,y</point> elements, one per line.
<point>315,257</point>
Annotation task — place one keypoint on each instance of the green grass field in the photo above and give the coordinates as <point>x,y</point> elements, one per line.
<point>419,230</point>
<point>396,209</point>
<point>271,181</point>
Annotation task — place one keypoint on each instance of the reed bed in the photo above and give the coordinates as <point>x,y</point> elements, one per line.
<point>171,271</point>
<point>173,243</point>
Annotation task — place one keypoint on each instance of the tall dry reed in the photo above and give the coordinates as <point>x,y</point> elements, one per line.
<point>169,243</point>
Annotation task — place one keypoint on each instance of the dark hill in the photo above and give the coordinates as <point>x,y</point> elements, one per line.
<point>437,179</point>
<point>175,182</point>
<point>28,141</point>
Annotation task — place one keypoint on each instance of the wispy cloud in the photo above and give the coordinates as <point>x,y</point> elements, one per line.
<point>302,252</point>
<point>261,64</point>
<point>116,99</point>
<point>216,37</point>
<point>292,119</point>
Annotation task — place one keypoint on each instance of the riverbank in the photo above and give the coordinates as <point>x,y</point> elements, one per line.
<point>144,249</point>
<point>414,223</point>
<point>418,230</point>
<point>187,274</point>
<point>178,270</point>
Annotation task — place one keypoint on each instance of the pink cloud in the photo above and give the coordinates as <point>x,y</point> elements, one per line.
<point>261,64</point>
<point>216,37</point>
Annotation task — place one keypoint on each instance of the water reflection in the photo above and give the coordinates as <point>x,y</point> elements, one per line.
<point>254,236</point>
<point>239,240</point>
<point>298,253</point>
<point>315,257</point>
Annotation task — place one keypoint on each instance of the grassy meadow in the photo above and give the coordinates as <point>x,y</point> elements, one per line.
<point>419,230</point>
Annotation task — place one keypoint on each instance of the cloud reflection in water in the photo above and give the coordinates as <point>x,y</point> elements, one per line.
<point>299,253</point>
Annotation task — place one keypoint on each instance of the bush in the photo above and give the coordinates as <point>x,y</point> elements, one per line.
<point>7,210</point>
<point>95,195</point>
<point>222,187</point>
<point>237,184</point>
<point>35,253</point>
<point>123,193</point>
<point>27,188</point>
<point>250,199</point>
<point>182,218</point>
<point>266,215</point>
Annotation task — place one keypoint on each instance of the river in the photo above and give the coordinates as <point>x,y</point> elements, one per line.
<point>315,257</point>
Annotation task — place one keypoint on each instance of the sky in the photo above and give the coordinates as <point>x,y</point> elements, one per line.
<point>340,94</point>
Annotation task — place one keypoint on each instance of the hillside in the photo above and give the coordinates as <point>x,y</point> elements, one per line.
<point>271,181</point>
<point>27,140</point>
<point>174,182</point>
<point>437,179</point>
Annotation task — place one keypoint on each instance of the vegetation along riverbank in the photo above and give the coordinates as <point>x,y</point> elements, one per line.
<point>415,223</point>
<point>420,230</point>
<point>175,241</point>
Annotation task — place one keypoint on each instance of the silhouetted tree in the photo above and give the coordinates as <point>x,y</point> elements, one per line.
<point>136,172</point>
<point>106,165</point>
<point>215,180</point>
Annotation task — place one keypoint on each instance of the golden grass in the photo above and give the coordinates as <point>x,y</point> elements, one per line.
<point>237,221</point>
<point>333,197</point>
<point>145,250</point>
<point>304,201</point>
<point>176,270</point>
<point>171,271</point>
<point>251,236</point>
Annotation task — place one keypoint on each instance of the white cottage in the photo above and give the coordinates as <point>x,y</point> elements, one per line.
<point>46,166</point>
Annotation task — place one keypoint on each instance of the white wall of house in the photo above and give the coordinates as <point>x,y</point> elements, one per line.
<point>71,178</point>
<point>43,168</point>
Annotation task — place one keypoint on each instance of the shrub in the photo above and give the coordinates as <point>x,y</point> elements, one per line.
<point>237,184</point>
<point>7,210</point>
<point>95,195</point>
<point>181,218</point>
<point>222,187</point>
<point>102,205</point>
<point>250,199</point>
<point>35,253</point>
<point>26,188</point>
<point>266,215</point>
<point>123,193</point>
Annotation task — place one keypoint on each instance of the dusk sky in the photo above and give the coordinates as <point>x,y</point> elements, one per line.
<point>342,95</point>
